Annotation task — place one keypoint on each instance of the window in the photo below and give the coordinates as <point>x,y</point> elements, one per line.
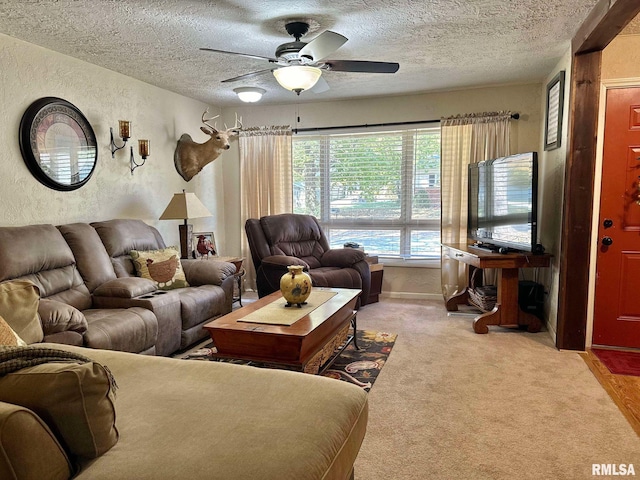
<point>381,190</point>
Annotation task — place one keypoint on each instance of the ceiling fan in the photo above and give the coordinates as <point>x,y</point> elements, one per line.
<point>300,64</point>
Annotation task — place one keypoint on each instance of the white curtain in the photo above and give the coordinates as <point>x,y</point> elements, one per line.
<point>265,180</point>
<point>465,139</point>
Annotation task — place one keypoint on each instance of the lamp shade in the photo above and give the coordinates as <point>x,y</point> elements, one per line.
<point>297,77</point>
<point>249,94</point>
<point>184,205</point>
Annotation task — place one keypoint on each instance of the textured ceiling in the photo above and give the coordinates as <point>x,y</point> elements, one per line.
<point>439,44</point>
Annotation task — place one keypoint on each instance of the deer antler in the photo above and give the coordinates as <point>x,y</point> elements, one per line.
<point>206,120</point>
<point>238,125</point>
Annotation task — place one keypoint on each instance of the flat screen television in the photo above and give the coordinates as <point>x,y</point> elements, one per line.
<point>502,203</point>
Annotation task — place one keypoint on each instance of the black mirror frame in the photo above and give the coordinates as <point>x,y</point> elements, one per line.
<point>30,120</point>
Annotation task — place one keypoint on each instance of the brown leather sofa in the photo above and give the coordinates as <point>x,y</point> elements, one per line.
<point>277,241</point>
<point>91,296</point>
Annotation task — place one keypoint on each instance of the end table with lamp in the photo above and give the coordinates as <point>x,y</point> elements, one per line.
<point>184,206</point>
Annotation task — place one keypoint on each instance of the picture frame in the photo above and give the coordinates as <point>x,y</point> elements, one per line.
<point>58,144</point>
<point>554,111</point>
<point>208,242</point>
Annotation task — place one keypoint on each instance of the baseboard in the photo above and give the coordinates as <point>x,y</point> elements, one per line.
<point>412,296</point>
<point>552,332</point>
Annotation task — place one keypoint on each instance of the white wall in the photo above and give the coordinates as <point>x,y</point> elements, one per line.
<point>621,58</point>
<point>551,169</point>
<point>398,281</point>
<point>28,72</point>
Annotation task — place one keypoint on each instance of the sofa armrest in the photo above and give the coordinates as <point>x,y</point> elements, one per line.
<point>65,338</point>
<point>57,317</point>
<point>28,447</point>
<point>281,262</point>
<point>350,258</point>
<point>206,272</point>
<point>342,257</point>
<point>271,270</point>
<point>125,287</point>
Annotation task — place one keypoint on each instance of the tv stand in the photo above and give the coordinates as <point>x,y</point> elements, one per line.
<point>507,312</point>
<point>484,247</point>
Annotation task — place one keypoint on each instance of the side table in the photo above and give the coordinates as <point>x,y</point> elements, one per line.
<point>377,271</point>
<point>240,272</point>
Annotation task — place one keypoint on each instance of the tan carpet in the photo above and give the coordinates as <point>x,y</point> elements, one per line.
<point>451,404</point>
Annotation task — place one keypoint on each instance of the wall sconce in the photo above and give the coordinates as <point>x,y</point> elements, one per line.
<point>143,150</point>
<point>125,134</point>
<point>249,94</point>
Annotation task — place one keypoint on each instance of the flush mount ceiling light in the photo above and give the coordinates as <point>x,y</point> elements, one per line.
<point>249,94</point>
<point>297,77</point>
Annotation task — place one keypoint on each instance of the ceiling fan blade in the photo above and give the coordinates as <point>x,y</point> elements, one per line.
<point>324,44</point>
<point>247,75</point>
<point>361,66</point>
<point>320,86</point>
<point>258,57</point>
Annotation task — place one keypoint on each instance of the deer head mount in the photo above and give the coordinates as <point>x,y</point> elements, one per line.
<point>190,157</point>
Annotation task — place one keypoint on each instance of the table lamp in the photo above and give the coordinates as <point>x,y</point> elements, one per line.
<point>182,207</point>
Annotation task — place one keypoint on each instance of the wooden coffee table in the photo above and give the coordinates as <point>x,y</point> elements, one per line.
<point>307,344</point>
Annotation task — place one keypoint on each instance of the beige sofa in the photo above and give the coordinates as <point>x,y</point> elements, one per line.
<point>92,297</point>
<point>180,419</point>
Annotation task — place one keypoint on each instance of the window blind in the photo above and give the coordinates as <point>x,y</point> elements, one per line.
<point>379,189</point>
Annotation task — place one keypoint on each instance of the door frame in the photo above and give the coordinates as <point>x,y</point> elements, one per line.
<point>606,20</point>
<point>605,86</point>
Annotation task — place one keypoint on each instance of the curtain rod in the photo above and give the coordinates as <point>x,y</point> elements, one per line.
<point>514,116</point>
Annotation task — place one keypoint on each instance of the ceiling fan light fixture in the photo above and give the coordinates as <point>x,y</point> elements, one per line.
<point>249,94</point>
<point>297,77</point>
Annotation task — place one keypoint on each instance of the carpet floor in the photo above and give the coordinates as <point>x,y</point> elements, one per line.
<point>359,366</point>
<point>452,404</point>
<point>619,362</point>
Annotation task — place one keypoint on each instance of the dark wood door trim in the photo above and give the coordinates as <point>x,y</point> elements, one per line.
<point>606,20</point>
<point>578,201</point>
<point>604,23</point>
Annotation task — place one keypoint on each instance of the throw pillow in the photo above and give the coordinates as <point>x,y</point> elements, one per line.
<point>8,336</point>
<point>74,400</point>
<point>161,266</point>
<point>19,300</point>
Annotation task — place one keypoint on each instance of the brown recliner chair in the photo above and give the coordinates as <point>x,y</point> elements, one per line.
<point>277,241</point>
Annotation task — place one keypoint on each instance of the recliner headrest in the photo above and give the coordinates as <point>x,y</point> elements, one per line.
<point>120,236</point>
<point>32,249</point>
<point>288,227</point>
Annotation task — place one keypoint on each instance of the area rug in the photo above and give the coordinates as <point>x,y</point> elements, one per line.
<point>360,367</point>
<point>619,362</point>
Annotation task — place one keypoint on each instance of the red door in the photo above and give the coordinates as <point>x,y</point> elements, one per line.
<point>617,295</point>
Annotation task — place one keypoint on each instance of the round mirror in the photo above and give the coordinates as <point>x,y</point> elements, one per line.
<point>58,144</point>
